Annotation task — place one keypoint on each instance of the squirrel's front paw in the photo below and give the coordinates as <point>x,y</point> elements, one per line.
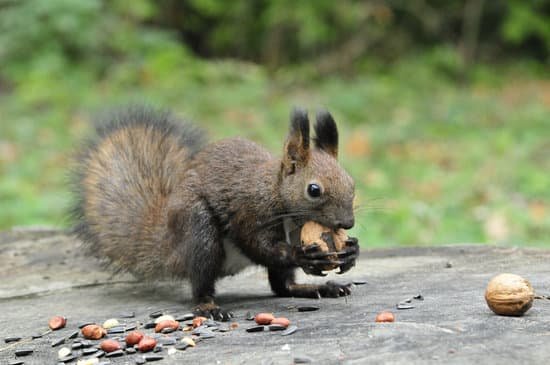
<point>213,311</point>
<point>348,255</point>
<point>313,260</point>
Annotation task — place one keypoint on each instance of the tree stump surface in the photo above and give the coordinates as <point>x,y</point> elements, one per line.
<point>44,273</point>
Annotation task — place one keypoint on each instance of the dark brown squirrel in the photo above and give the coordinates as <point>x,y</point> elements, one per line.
<point>155,200</point>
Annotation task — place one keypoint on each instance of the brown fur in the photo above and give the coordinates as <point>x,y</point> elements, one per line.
<point>154,201</point>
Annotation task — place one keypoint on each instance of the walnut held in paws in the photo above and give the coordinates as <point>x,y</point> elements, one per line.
<point>313,233</point>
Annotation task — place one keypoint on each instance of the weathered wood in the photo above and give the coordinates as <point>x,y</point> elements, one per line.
<point>43,273</point>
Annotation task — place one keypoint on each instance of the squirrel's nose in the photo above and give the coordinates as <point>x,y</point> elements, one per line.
<point>345,224</point>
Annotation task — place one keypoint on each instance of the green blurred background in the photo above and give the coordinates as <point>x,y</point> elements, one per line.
<point>443,106</point>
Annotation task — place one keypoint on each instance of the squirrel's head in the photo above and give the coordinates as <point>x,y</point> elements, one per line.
<point>313,184</point>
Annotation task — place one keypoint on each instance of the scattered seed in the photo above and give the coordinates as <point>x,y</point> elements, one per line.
<point>63,352</point>
<point>116,330</point>
<point>207,334</point>
<point>402,305</point>
<point>249,316</point>
<point>167,330</point>
<point>133,338</point>
<point>58,341</point>
<point>99,353</point>
<point>185,317</point>
<point>127,315</point>
<point>116,353</point>
<point>57,322</point>
<point>140,361</point>
<point>90,361</point>
<point>86,343</point>
<point>448,264</point>
<point>164,317</point>
<point>76,345</point>
<point>12,339</point>
<point>255,329</point>
<point>72,335</point>
<point>182,346</point>
<point>130,327</point>
<point>109,345</point>
<point>37,335</point>
<point>189,341</point>
<point>93,332</point>
<point>303,360</point>
<point>146,344</point>
<point>158,348</point>
<point>418,297</point>
<point>24,352</point>
<point>167,340</point>
<point>281,321</point>
<point>359,282</point>
<point>276,327</point>
<point>16,362</point>
<point>89,351</point>
<point>385,317</point>
<point>290,330</point>
<point>110,323</point>
<point>68,358</point>
<point>131,350</point>
<point>149,325</point>
<point>155,314</point>
<point>149,358</point>
<point>84,324</point>
<point>308,308</point>
<point>198,321</point>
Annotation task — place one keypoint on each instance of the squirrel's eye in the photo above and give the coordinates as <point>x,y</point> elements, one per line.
<point>314,190</point>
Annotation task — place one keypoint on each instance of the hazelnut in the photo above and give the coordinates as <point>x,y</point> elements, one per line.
<point>174,325</point>
<point>327,240</point>
<point>264,318</point>
<point>133,338</point>
<point>509,295</point>
<point>57,322</point>
<point>109,345</point>
<point>93,332</point>
<point>281,321</point>
<point>147,344</point>
<point>385,317</point>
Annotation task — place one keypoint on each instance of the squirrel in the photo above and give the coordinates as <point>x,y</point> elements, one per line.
<point>154,199</point>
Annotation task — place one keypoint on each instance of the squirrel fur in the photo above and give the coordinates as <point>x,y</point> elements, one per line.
<point>154,199</point>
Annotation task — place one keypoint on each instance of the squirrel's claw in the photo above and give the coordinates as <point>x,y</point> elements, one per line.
<point>212,311</point>
<point>349,255</point>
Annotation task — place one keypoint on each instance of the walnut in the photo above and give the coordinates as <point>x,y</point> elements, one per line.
<point>327,239</point>
<point>509,295</point>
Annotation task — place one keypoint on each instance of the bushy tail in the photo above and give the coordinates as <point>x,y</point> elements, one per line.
<point>122,181</point>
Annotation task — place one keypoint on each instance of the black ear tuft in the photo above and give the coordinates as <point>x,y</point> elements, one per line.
<point>326,133</point>
<point>299,126</point>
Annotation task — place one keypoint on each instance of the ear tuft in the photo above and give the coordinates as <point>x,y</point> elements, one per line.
<point>326,133</point>
<point>296,152</point>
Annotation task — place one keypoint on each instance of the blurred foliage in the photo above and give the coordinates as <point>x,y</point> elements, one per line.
<point>444,107</point>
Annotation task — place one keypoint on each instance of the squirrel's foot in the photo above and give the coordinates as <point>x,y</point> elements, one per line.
<point>213,311</point>
<point>330,289</point>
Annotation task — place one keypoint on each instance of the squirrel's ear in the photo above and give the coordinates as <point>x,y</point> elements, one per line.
<point>326,133</point>
<point>297,144</point>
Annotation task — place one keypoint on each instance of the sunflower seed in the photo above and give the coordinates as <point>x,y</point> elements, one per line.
<point>155,314</point>
<point>149,325</point>
<point>308,308</point>
<point>255,329</point>
<point>359,282</point>
<point>276,327</point>
<point>24,352</point>
<point>153,357</point>
<point>89,351</point>
<point>72,335</point>
<point>16,362</point>
<point>140,361</point>
<point>185,317</point>
<point>12,339</point>
<point>418,297</point>
<point>249,316</point>
<point>116,353</point>
<point>130,350</point>
<point>68,358</point>
<point>127,315</point>
<point>404,306</point>
<point>290,330</point>
<point>58,341</point>
<point>130,327</point>
<point>303,360</point>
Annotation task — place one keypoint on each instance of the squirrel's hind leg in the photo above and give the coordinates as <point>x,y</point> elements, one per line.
<point>282,281</point>
<point>197,232</point>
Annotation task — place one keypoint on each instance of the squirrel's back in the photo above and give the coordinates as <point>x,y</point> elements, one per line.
<point>122,183</point>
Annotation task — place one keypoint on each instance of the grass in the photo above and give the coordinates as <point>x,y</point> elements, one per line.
<point>434,162</point>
